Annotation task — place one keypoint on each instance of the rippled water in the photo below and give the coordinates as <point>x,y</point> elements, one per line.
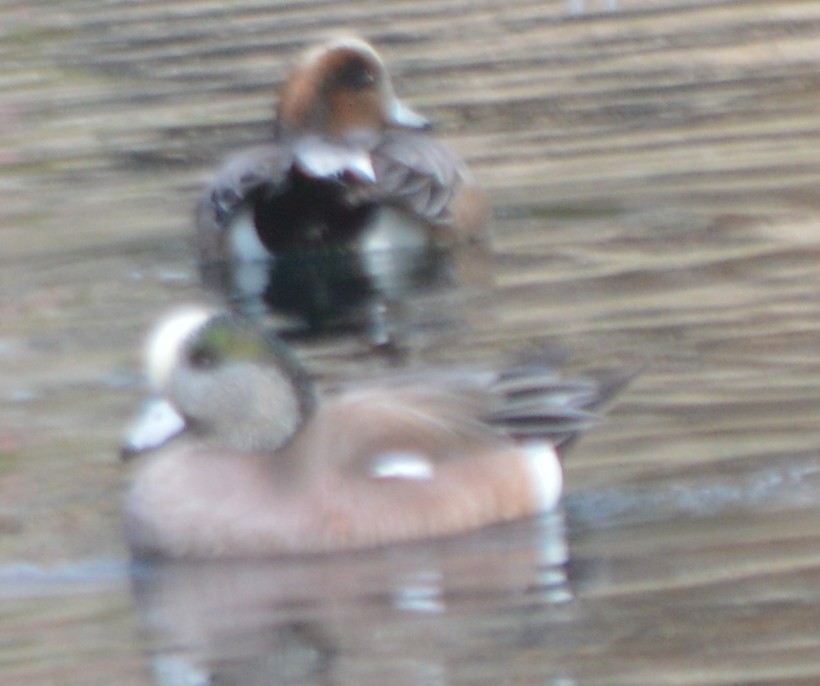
<point>654,172</point>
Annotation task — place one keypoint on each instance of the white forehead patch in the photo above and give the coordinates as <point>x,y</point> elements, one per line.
<point>164,344</point>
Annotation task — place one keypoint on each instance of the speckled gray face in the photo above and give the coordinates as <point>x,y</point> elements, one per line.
<point>158,421</point>
<point>227,382</point>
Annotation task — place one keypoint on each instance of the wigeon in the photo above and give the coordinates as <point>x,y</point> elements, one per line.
<point>349,165</point>
<point>243,458</point>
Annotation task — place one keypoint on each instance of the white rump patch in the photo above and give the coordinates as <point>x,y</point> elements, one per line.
<point>546,475</point>
<point>414,466</point>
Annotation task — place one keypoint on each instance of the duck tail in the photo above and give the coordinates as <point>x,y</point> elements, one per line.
<point>534,401</point>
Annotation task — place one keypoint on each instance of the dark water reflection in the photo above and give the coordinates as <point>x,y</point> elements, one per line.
<point>385,296</point>
<point>654,172</point>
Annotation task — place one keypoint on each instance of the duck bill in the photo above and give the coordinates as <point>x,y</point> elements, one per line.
<point>401,116</point>
<point>156,424</point>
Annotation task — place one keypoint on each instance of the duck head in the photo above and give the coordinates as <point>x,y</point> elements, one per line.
<point>342,89</point>
<point>222,380</point>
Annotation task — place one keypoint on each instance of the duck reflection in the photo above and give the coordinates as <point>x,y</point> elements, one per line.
<point>378,294</point>
<point>389,615</point>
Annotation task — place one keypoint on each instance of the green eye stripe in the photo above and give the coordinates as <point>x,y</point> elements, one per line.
<point>220,340</point>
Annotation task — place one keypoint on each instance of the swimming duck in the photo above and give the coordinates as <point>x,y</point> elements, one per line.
<point>349,165</point>
<point>241,456</point>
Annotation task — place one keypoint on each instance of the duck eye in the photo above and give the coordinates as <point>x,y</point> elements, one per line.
<point>355,73</point>
<point>203,357</point>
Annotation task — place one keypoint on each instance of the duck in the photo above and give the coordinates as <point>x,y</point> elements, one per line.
<point>238,454</point>
<point>349,166</point>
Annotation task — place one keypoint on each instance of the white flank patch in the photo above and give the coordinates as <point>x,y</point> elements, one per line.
<point>546,475</point>
<point>251,280</point>
<point>391,241</point>
<point>245,244</point>
<point>403,466</point>
<point>163,346</point>
<point>393,230</point>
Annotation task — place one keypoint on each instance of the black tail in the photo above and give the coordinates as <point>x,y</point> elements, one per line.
<point>534,401</point>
